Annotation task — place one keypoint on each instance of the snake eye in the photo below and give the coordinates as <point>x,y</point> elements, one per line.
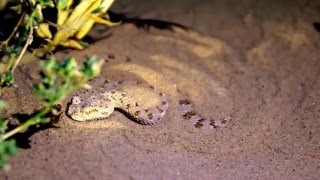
<point>76,100</point>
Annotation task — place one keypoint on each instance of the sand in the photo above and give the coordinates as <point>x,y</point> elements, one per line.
<point>255,62</point>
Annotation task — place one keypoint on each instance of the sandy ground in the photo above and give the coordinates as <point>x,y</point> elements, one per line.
<point>256,62</point>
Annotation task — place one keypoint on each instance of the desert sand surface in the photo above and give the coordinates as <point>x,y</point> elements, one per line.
<point>255,63</point>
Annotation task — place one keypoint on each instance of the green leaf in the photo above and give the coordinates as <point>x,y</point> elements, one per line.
<point>7,148</point>
<point>6,79</point>
<point>92,66</point>
<point>3,126</point>
<point>2,105</point>
<point>67,68</point>
<point>10,147</point>
<point>48,66</point>
<point>63,4</point>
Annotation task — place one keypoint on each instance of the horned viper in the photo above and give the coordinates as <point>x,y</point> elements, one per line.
<point>98,103</point>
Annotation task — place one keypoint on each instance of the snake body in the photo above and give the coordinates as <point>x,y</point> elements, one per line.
<point>100,103</point>
<point>188,112</point>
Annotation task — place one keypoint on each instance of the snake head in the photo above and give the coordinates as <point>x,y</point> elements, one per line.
<point>89,108</point>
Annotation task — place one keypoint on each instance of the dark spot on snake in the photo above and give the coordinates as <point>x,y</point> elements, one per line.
<point>137,113</point>
<point>199,124</point>
<point>120,82</point>
<point>159,109</point>
<point>164,103</point>
<point>224,121</point>
<point>128,106</point>
<point>189,114</point>
<point>213,123</point>
<point>146,110</point>
<point>111,56</point>
<point>160,93</point>
<point>128,59</point>
<point>107,81</point>
<point>152,87</point>
<point>137,104</point>
<point>184,101</point>
<point>150,115</point>
<point>113,91</point>
<point>58,107</point>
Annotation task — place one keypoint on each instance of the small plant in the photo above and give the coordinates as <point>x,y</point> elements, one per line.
<point>59,79</point>
<point>72,20</point>
<point>73,24</point>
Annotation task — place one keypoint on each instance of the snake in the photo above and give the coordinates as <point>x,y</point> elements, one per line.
<point>188,112</point>
<point>99,103</point>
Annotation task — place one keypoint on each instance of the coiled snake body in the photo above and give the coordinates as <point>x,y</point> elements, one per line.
<point>100,103</point>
